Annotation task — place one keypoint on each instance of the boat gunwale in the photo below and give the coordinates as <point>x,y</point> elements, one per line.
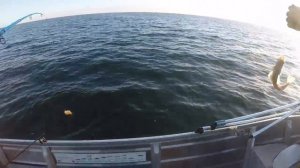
<point>143,140</point>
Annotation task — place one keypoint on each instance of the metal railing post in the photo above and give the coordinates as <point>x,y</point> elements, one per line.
<point>155,155</point>
<point>249,149</point>
<point>49,157</point>
<point>3,158</point>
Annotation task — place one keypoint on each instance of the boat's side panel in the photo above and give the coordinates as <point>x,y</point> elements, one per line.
<point>220,148</point>
<point>202,148</point>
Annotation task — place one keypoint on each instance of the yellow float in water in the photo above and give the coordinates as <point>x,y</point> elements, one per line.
<point>68,113</point>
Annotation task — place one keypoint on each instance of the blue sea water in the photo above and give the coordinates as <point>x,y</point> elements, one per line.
<point>136,74</point>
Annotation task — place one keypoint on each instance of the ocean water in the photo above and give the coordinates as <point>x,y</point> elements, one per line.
<point>137,74</point>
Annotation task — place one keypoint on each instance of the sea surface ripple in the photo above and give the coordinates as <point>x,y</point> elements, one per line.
<point>136,74</point>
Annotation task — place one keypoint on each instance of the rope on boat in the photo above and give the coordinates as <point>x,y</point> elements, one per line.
<point>41,139</point>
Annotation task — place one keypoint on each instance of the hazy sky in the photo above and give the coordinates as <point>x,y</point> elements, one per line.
<point>268,13</point>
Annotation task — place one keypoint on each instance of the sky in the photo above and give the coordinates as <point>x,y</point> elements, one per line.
<point>266,13</point>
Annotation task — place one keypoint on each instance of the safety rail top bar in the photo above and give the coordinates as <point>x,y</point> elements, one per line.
<point>256,133</point>
<point>244,119</point>
<point>203,129</point>
<point>265,112</point>
<point>255,119</point>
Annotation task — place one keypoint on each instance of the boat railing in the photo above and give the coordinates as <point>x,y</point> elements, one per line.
<point>280,112</point>
<point>286,115</point>
<point>277,114</point>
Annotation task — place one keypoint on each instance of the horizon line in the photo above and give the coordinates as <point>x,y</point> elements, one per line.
<point>152,12</point>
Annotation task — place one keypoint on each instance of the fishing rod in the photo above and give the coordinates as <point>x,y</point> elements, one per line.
<point>12,25</point>
<point>247,118</point>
